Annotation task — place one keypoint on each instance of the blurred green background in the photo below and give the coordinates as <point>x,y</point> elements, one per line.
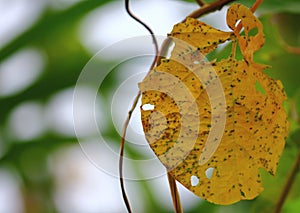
<point>45,45</point>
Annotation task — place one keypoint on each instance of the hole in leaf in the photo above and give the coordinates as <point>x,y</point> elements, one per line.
<point>253,32</point>
<point>146,107</point>
<point>238,53</point>
<point>224,50</point>
<point>242,193</point>
<point>237,23</point>
<point>170,49</point>
<point>196,62</point>
<point>259,88</point>
<point>209,172</point>
<point>194,180</point>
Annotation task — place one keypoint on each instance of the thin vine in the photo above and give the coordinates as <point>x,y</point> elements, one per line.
<point>124,195</point>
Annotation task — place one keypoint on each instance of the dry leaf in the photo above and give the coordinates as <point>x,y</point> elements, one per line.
<point>215,123</point>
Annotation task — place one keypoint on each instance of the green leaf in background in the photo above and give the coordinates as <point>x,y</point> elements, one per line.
<point>50,24</point>
<point>288,27</point>
<point>283,63</point>
<point>277,6</point>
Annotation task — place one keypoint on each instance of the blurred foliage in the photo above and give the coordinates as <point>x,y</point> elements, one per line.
<point>55,33</point>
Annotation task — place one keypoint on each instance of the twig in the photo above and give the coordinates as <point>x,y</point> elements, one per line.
<point>175,194</point>
<point>217,5</point>
<point>200,2</point>
<point>256,4</point>
<point>288,185</point>
<point>291,49</point>
<point>287,47</point>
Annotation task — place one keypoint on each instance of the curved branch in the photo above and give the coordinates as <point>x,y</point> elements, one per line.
<point>288,184</point>
<point>291,49</point>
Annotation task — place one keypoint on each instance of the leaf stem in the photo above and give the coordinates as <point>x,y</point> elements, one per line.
<point>175,194</point>
<point>288,184</point>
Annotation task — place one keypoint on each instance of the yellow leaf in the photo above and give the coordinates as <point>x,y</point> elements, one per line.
<point>199,35</point>
<point>248,44</point>
<point>215,123</point>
